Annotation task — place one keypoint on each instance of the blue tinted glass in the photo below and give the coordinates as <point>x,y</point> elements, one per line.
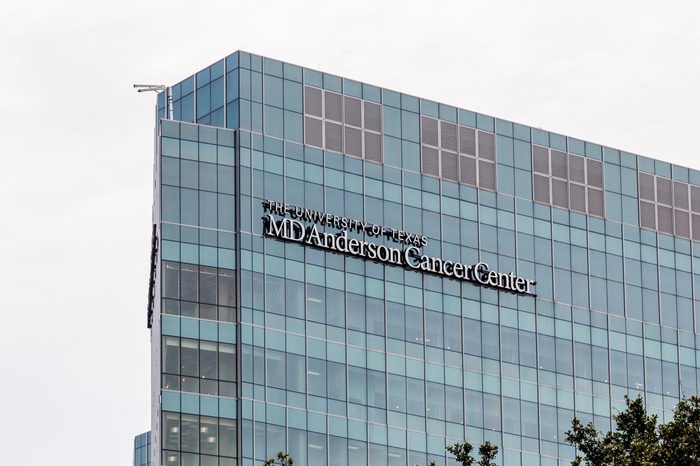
<point>467,118</point>
<point>429,108</point>
<point>448,113</point>
<point>557,141</point>
<point>313,78</point>
<point>410,155</point>
<point>203,101</point>
<point>272,67</point>
<point>540,137</point>
<point>187,85</point>
<point>292,72</point>
<point>352,88</point>
<point>187,108</point>
<point>217,69</point>
<point>332,83</point>
<point>273,91</point>
<point>485,122</point>
<point>203,77</point>
<point>521,132</point>
<point>293,126</point>
<point>392,121</point>
<point>410,126</point>
<point>504,127</point>
<point>232,61</point>
<point>217,93</point>
<point>371,93</point>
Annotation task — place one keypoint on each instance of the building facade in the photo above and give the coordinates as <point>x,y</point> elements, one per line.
<point>142,449</point>
<point>357,276</point>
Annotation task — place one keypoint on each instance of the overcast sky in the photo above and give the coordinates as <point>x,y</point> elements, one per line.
<point>76,147</point>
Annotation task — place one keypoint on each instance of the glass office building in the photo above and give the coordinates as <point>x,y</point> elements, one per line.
<point>357,276</point>
<point>142,447</point>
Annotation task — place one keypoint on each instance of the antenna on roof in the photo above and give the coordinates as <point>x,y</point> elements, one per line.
<point>158,88</point>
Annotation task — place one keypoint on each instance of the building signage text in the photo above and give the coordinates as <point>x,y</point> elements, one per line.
<point>290,226</point>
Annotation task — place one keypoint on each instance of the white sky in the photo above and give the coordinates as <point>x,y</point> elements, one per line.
<point>76,148</point>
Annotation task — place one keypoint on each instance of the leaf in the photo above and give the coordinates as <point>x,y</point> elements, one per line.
<point>638,438</point>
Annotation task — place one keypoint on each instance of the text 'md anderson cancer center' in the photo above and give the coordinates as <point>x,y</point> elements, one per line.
<point>290,229</point>
<point>357,276</point>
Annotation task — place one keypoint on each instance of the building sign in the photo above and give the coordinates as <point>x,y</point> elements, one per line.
<point>304,226</point>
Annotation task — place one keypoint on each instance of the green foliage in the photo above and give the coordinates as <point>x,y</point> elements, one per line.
<point>680,437</point>
<point>283,458</point>
<point>488,452</point>
<point>638,439</point>
<point>462,453</point>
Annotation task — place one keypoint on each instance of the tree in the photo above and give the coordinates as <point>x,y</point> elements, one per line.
<point>462,453</point>
<point>638,439</point>
<point>681,436</point>
<point>283,458</point>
